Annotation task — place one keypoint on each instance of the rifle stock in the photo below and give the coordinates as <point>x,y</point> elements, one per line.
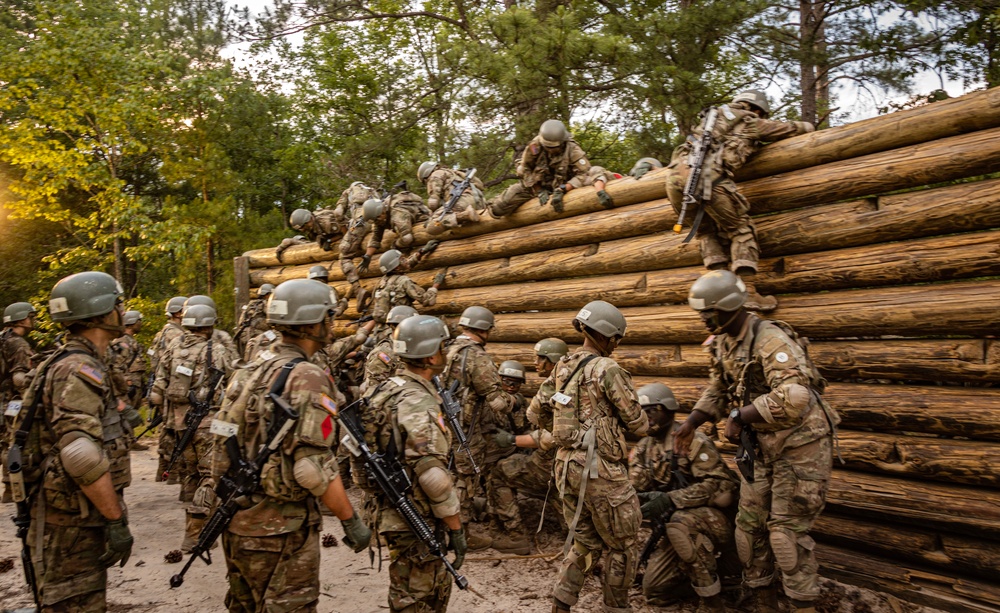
<point>746,457</point>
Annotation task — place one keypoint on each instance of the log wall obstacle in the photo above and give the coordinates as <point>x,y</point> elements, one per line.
<point>882,239</point>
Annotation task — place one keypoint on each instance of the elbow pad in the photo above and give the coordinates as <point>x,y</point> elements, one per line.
<point>155,398</point>
<point>436,483</point>
<point>82,458</point>
<point>20,380</point>
<point>310,475</point>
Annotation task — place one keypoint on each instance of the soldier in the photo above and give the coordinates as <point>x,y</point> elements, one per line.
<point>695,497</point>
<point>127,363</point>
<point>643,166</point>
<point>79,526</point>
<point>171,331</point>
<point>253,320</point>
<point>512,377</point>
<point>400,212</point>
<point>395,288</point>
<point>484,405</point>
<point>185,368</point>
<point>728,237</point>
<point>551,165</point>
<point>592,406</point>
<point>439,181</point>
<point>323,226</point>
<point>761,369</point>
<point>15,363</point>
<point>406,409</point>
<point>272,547</point>
<point>220,336</point>
<point>350,206</point>
<point>382,361</point>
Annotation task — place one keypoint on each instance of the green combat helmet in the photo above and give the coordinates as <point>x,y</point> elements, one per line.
<point>389,261</point>
<point>657,396</point>
<point>601,317</point>
<point>553,133</point>
<point>398,313</point>
<point>720,290</point>
<point>18,311</point>
<point>372,209</point>
<point>299,218</point>
<point>84,295</point>
<point>512,369</point>
<point>131,318</point>
<point>175,305</point>
<point>320,273</point>
<point>551,349</point>
<point>264,290</point>
<point>643,166</point>
<point>300,302</point>
<point>199,299</point>
<point>425,170</point>
<point>419,337</point>
<point>476,318</point>
<point>756,99</point>
<point>198,316</point>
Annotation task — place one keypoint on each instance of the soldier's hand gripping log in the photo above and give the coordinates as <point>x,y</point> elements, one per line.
<point>453,413</point>
<point>692,189</point>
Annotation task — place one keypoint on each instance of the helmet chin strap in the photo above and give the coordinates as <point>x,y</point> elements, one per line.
<point>303,335</point>
<point>602,345</point>
<point>722,327</point>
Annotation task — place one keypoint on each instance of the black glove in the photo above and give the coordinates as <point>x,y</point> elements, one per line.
<point>459,545</point>
<point>504,439</point>
<point>132,416</point>
<point>543,196</point>
<point>429,247</point>
<point>605,199</point>
<point>280,249</point>
<point>366,261</point>
<point>326,244</point>
<point>119,543</point>
<point>556,200</point>
<point>645,497</point>
<point>356,533</point>
<point>659,506</point>
<point>439,278</point>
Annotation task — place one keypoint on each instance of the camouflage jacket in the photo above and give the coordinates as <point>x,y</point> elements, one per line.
<point>76,397</point>
<point>710,481</point>
<point>127,360</point>
<point>169,333</point>
<point>381,363</point>
<point>184,368</point>
<point>351,200</point>
<point>598,395</point>
<point>253,321</point>
<point>442,180</point>
<point>16,354</point>
<point>260,345</point>
<point>406,410</point>
<point>407,205</point>
<point>395,289</point>
<point>538,170</point>
<point>541,418</point>
<point>280,505</point>
<point>765,366</point>
<point>484,403</point>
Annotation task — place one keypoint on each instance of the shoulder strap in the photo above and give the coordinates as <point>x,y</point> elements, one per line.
<point>21,436</point>
<point>579,367</point>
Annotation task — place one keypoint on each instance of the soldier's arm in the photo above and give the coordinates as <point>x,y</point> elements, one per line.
<point>786,371</point>
<point>20,361</point>
<point>426,297</point>
<point>712,402</point>
<point>768,131</point>
<point>485,381</point>
<point>340,209</point>
<point>709,472</point>
<point>426,449</point>
<point>579,166</point>
<point>338,350</point>
<point>540,404</point>
<point>378,231</point>
<point>162,377</point>
<point>526,167</point>
<point>618,388</point>
<point>436,191</point>
<point>638,473</point>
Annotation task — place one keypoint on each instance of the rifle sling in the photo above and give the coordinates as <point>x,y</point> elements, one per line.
<point>278,387</point>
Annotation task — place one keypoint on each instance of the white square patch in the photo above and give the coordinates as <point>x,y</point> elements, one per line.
<point>184,370</point>
<point>223,428</point>
<point>277,307</point>
<point>561,398</point>
<point>583,314</point>
<point>58,305</point>
<point>399,346</point>
<point>13,408</point>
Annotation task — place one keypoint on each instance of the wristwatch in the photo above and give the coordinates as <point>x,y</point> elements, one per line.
<point>736,417</point>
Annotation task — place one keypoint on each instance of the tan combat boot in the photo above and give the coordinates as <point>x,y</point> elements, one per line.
<point>515,543</point>
<point>477,539</point>
<point>559,607</point>
<point>765,600</point>
<point>711,604</point>
<point>756,302</point>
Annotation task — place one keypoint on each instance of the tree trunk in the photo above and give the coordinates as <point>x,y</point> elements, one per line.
<point>210,266</point>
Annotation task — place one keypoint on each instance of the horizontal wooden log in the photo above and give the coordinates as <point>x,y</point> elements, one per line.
<point>581,201</point>
<point>963,308</point>
<point>968,113</point>
<point>964,554</point>
<point>937,588</point>
<point>962,509</point>
<point>953,360</point>
<point>946,159</point>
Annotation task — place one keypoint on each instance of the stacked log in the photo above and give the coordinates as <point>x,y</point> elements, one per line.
<point>882,240</point>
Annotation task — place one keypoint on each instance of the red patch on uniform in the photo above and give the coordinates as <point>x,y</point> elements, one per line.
<point>327,427</point>
<point>440,423</point>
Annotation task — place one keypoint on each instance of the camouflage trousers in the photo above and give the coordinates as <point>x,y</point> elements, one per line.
<point>165,448</point>
<point>467,483</point>
<point>726,235</point>
<point>688,555</point>
<point>610,519</point>
<point>69,574</point>
<point>775,515</point>
<point>197,468</point>
<point>525,474</point>
<point>511,199</point>
<point>418,582</point>
<point>465,213</point>
<point>277,574</point>
<point>402,221</point>
<point>352,246</point>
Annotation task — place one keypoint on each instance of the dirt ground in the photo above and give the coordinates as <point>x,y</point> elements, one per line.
<point>348,583</point>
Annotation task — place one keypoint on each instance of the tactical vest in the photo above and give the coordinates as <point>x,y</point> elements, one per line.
<point>579,405</point>
<point>388,294</point>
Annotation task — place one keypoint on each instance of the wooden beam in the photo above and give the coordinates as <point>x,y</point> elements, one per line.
<point>241,275</point>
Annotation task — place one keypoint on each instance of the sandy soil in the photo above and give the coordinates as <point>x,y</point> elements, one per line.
<point>348,583</point>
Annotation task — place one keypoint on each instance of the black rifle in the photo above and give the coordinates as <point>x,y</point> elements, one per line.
<point>677,482</point>
<point>243,476</point>
<point>745,454</point>
<point>692,189</point>
<point>453,413</point>
<point>457,191</point>
<point>199,409</point>
<point>157,420</point>
<point>361,320</point>
<point>391,478</point>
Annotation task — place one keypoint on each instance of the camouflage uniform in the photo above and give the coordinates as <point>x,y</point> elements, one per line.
<point>539,171</point>
<point>439,185</point>
<point>330,359</point>
<point>382,361</point>
<point>351,246</point>
<point>67,535</point>
<point>327,226</point>
<point>727,236</point>
<point>253,321</point>
<point>484,405</point>
<point>224,341</point>
<point>170,332</point>
<point>601,400</point>
<point>402,211</point>
<point>765,365</point>
<point>272,547</point>
<point>700,528</point>
<point>407,409</point>
<point>127,362</point>
<point>182,369</point>
<point>394,289</point>
<point>259,344</point>
<point>15,354</point>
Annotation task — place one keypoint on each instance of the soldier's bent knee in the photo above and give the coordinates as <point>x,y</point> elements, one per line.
<point>744,545</point>
<point>680,539</point>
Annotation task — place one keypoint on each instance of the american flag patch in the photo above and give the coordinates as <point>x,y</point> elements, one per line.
<point>329,405</point>
<point>92,373</point>
<point>384,357</point>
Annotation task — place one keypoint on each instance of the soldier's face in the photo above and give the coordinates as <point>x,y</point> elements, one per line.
<point>437,361</point>
<point>659,420</point>
<point>543,365</point>
<point>510,384</point>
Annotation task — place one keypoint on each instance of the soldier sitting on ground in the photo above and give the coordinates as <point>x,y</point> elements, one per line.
<point>551,165</point>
